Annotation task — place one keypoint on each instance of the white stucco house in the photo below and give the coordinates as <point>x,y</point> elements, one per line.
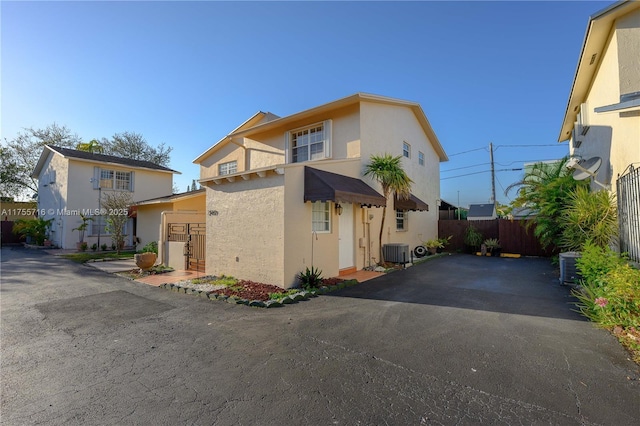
<point>286,193</point>
<point>602,118</point>
<point>72,181</point>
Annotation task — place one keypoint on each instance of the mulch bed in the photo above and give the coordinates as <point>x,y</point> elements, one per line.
<point>252,290</point>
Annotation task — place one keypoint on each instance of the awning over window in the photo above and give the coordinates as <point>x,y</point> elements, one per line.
<point>413,203</point>
<point>326,186</point>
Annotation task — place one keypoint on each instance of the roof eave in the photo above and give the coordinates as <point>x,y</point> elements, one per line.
<point>596,36</point>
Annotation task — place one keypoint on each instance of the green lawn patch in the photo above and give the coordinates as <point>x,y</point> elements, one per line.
<point>84,257</point>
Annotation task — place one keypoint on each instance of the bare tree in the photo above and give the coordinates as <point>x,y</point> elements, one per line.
<point>116,205</point>
<point>135,146</point>
<point>20,156</point>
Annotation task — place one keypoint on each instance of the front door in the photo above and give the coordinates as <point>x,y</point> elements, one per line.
<point>346,238</point>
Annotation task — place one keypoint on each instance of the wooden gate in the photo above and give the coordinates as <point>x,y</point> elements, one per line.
<point>194,236</point>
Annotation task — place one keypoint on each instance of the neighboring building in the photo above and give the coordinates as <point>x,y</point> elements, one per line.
<point>522,213</point>
<point>72,181</point>
<point>447,211</point>
<point>168,221</point>
<point>482,212</point>
<point>602,118</point>
<point>284,194</point>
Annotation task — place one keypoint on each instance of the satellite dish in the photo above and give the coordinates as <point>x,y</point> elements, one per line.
<point>587,168</point>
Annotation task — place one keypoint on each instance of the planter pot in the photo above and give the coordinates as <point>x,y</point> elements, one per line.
<point>146,260</point>
<point>432,250</point>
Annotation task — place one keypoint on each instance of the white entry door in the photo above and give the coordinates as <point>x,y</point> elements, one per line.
<point>346,238</point>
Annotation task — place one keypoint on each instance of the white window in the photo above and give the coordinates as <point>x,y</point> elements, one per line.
<point>421,158</point>
<point>309,143</point>
<point>106,179</point>
<point>227,168</point>
<point>321,217</point>
<point>406,150</point>
<point>110,179</point>
<point>401,220</point>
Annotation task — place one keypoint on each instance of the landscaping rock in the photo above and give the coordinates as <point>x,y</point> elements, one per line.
<point>257,303</point>
<point>204,294</point>
<point>287,300</point>
<point>273,304</point>
<point>297,297</point>
<point>379,269</point>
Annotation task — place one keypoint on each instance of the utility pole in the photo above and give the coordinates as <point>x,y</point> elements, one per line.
<point>493,175</point>
<point>458,205</point>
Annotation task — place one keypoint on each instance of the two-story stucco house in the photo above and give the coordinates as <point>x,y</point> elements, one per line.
<point>602,118</point>
<point>71,182</point>
<point>286,193</point>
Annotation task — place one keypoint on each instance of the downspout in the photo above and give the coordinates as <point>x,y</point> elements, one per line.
<point>163,236</point>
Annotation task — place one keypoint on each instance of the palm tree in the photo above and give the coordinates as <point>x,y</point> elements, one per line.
<point>92,146</point>
<point>545,189</point>
<point>387,170</point>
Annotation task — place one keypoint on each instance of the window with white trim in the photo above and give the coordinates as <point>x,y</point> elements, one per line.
<point>421,158</point>
<point>309,143</point>
<point>110,179</point>
<point>406,150</point>
<point>321,217</point>
<point>401,220</point>
<point>227,168</point>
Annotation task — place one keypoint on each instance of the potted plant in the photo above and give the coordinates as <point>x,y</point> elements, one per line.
<point>473,238</point>
<point>81,230</point>
<point>147,256</point>
<point>493,246</point>
<point>443,242</point>
<point>433,245</point>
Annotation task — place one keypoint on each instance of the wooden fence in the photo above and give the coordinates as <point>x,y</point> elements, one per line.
<point>7,236</point>
<point>513,235</point>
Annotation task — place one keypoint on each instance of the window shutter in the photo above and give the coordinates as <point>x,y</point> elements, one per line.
<point>327,138</point>
<point>287,154</point>
<point>132,181</point>
<point>96,177</point>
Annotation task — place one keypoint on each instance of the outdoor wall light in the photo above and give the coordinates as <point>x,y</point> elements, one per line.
<point>338,209</point>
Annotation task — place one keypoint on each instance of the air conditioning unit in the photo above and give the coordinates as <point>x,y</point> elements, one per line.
<point>568,271</point>
<point>396,253</point>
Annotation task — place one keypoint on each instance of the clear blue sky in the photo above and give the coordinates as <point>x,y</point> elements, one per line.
<point>187,73</point>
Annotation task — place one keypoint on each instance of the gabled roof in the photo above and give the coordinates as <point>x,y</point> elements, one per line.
<point>595,39</point>
<point>96,158</point>
<point>171,198</point>
<point>349,100</point>
<point>481,210</point>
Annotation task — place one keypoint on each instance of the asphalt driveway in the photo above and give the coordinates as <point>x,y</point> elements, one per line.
<point>457,340</point>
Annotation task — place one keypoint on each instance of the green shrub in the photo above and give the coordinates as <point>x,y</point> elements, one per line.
<point>94,247</point>
<point>152,247</point>
<point>588,216</point>
<point>37,229</point>
<point>610,291</point>
<point>472,237</point>
<point>103,247</point>
<point>310,278</point>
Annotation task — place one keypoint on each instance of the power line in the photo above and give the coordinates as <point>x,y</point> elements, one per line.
<point>484,171</point>
<point>530,146</point>
<point>503,190</point>
<point>464,152</point>
<point>467,167</point>
<point>526,161</point>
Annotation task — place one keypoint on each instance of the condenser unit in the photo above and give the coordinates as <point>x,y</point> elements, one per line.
<point>568,271</point>
<point>396,253</point>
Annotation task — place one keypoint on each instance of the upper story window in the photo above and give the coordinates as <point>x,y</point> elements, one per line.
<point>406,150</point>
<point>113,179</point>
<point>309,143</point>
<point>227,168</point>
<point>421,158</point>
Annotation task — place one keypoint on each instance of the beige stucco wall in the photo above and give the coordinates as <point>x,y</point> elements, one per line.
<point>384,129</point>
<point>628,41</point>
<point>613,136</point>
<point>245,238</point>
